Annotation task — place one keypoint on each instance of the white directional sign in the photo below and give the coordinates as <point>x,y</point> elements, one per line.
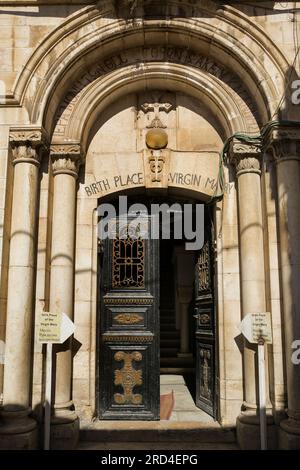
<point>255,326</point>
<point>67,328</point>
<point>55,327</point>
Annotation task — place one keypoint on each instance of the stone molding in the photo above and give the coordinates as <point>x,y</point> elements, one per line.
<point>66,158</point>
<point>246,157</point>
<point>284,143</point>
<point>73,31</point>
<point>27,144</point>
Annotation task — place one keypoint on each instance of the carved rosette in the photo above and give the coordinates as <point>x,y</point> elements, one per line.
<point>66,158</point>
<point>27,144</point>
<point>245,157</point>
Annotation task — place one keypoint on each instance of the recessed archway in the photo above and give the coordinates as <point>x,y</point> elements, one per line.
<point>72,49</point>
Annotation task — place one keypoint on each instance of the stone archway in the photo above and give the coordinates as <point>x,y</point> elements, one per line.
<point>41,90</point>
<point>106,160</point>
<point>44,79</point>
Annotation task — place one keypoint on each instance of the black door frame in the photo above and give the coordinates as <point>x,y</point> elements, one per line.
<point>146,416</point>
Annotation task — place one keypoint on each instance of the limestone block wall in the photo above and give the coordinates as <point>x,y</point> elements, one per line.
<point>275,351</point>
<point>25,27</point>
<point>5,206</point>
<point>229,306</point>
<point>120,132</point>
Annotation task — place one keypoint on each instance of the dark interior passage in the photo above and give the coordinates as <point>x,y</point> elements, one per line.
<point>170,361</point>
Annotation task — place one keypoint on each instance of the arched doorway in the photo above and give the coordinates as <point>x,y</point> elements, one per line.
<point>157,312</point>
<point>118,161</point>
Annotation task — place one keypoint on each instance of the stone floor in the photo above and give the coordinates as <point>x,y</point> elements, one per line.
<point>184,408</point>
<point>187,429</point>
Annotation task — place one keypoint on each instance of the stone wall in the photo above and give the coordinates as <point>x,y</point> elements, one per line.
<point>84,72</point>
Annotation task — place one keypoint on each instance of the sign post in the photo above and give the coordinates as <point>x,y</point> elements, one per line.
<point>262,394</point>
<point>54,328</point>
<point>256,327</point>
<point>48,392</point>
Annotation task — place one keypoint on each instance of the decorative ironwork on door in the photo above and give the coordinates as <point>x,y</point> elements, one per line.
<point>129,324</point>
<point>205,331</point>
<point>128,263</point>
<point>203,268</point>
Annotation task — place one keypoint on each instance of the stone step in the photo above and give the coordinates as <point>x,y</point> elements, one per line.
<point>167,326</point>
<point>166,310</point>
<point>169,334</point>
<point>166,322</point>
<point>176,361</point>
<point>168,352</point>
<point>155,431</point>
<point>177,370</point>
<point>91,445</point>
<point>168,319</point>
<point>169,342</point>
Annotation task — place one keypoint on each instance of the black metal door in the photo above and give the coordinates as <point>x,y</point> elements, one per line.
<point>129,325</point>
<point>205,331</point>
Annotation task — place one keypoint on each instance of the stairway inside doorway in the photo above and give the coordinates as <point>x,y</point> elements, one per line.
<point>170,363</point>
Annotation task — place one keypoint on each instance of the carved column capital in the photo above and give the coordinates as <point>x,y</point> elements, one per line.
<point>246,157</point>
<point>284,143</point>
<point>66,158</point>
<point>27,144</point>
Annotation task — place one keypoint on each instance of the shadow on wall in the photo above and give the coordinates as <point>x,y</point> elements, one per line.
<point>139,9</point>
<point>287,112</point>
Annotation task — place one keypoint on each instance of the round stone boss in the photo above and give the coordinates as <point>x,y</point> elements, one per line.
<point>156,139</point>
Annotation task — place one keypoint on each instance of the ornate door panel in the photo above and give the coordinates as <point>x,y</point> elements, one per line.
<point>205,331</point>
<point>129,325</point>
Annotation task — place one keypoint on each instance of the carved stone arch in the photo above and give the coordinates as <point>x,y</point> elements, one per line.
<point>68,50</point>
<point>80,112</point>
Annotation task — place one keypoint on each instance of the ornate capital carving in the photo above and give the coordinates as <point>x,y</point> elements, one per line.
<point>284,143</point>
<point>245,156</point>
<point>66,158</point>
<point>27,144</point>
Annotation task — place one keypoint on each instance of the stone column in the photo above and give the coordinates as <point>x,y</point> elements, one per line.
<point>185,297</point>
<point>185,264</point>
<point>19,430</point>
<point>286,150</point>
<point>247,160</point>
<point>65,165</point>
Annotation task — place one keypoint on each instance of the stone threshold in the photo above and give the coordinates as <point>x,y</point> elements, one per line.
<point>187,424</point>
<point>156,431</point>
<point>156,446</point>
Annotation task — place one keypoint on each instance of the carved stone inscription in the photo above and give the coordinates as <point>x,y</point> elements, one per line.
<point>136,57</point>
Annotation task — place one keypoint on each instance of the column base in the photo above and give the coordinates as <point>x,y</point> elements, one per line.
<point>248,431</point>
<point>18,431</point>
<point>64,433</point>
<point>289,434</point>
